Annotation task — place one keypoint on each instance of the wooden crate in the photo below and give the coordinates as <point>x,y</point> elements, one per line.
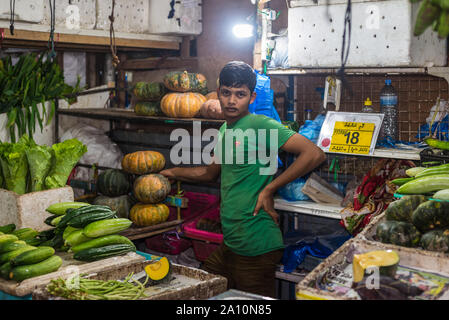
<point>69,267</point>
<point>187,283</point>
<point>28,210</point>
<point>410,258</point>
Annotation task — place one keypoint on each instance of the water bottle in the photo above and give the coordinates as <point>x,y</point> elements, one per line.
<point>389,107</point>
<point>368,106</point>
<point>308,114</point>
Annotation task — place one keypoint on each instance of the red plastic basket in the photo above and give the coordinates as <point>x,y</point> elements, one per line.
<point>168,242</point>
<point>203,249</point>
<point>192,232</point>
<point>197,203</point>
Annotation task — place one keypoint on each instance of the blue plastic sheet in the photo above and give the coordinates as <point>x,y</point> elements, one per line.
<point>311,128</point>
<point>292,191</point>
<point>440,128</point>
<point>320,247</point>
<point>264,99</point>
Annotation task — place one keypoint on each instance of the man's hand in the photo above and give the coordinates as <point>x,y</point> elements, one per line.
<point>168,173</point>
<point>266,201</point>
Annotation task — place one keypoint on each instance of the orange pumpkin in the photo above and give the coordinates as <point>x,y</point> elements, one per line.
<point>211,109</point>
<point>144,215</point>
<point>151,188</point>
<point>143,162</point>
<point>212,95</point>
<point>182,105</point>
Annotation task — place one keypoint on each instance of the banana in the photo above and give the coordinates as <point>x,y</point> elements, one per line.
<point>427,13</point>
<point>443,25</point>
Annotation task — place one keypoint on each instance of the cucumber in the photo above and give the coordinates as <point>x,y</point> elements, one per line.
<point>61,207</point>
<point>11,246</point>
<point>431,171</point>
<point>7,238</point>
<point>101,242</point>
<point>73,213</point>
<point>21,273</point>
<point>401,181</point>
<point>414,171</point>
<point>47,234</point>
<point>5,257</point>
<point>435,143</point>
<point>94,254</point>
<point>49,219</point>
<point>75,238</point>
<point>105,227</point>
<point>56,220</point>
<point>8,228</point>
<point>67,231</point>
<point>83,220</point>
<point>441,195</point>
<point>25,233</point>
<point>34,241</point>
<point>5,269</point>
<point>32,256</point>
<point>425,185</point>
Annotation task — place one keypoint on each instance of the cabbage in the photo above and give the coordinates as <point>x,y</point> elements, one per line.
<point>67,155</point>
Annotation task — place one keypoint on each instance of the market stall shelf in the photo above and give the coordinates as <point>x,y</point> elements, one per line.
<point>309,207</point>
<point>425,273</point>
<point>69,267</point>
<point>134,233</point>
<point>187,283</point>
<point>28,210</point>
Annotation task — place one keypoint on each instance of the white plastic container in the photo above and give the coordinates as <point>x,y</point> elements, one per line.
<point>382,35</point>
<point>185,18</point>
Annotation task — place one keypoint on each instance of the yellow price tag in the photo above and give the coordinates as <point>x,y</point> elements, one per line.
<point>352,137</point>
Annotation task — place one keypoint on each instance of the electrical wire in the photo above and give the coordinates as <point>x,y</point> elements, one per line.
<point>345,49</point>
<point>115,59</point>
<point>12,9</point>
<point>51,40</point>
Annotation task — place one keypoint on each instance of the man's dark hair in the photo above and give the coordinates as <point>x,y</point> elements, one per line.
<point>236,74</point>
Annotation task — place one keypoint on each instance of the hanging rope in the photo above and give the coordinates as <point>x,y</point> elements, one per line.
<point>115,59</point>
<point>51,40</point>
<point>344,49</point>
<point>12,9</point>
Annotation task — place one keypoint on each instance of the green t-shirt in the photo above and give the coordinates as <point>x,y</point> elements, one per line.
<point>247,151</point>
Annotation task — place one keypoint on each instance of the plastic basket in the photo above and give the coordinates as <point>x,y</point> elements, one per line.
<point>198,202</point>
<point>168,242</point>
<point>192,232</point>
<point>203,249</point>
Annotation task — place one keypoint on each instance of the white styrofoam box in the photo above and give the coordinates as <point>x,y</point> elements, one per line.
<point>25,10</point>
<point>382,35</point>
<point>28,210</point>
<point>74,15</point>
<point>130,16</point>
<point>186,19</point>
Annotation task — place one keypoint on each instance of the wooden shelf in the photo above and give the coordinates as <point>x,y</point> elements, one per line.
<point>118,114</point>
<point>159,63</point>
<point>83,39</point>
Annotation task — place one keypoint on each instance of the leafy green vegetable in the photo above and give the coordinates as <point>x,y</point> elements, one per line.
<point>67,154</point>
<point>40,160</point>
<point>15,165</point>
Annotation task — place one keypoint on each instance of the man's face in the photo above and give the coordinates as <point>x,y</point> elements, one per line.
<point>235,101</point>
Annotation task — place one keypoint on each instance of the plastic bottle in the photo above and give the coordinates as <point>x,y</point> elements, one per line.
<point>368,106</point>
<point>389,107</point>
<point>308,114</point>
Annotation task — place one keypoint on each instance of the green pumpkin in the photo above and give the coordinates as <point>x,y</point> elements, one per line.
<point>121,204</point>
<point>148,108</point>
<point>431,215</point>
<point>150,91</point>
<point>185,82</point>
<point>402,209</point>
<point>113,183</point>
<point>436,240</point>
<point>399,233</point>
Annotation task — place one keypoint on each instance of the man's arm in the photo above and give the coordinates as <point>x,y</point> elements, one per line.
<point>193,174</point>
<point>310,157</point>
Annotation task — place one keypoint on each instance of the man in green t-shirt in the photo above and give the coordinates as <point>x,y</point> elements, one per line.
<point>245,158</point>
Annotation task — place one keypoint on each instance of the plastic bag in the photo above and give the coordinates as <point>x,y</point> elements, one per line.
<point>311,128</point>
<point>292,191</point>
<point>264,99</point>
<point>279,57</point>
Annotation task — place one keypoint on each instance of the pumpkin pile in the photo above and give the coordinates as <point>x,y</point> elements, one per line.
<point>186,94</point>
<point>148,97</point>
<point>150,188</point>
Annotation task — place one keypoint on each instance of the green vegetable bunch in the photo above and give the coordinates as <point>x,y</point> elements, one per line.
<point>33,80</point>
<point>435,14</point>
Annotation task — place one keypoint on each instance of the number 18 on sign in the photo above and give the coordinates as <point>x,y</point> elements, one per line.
<point>352,137</point>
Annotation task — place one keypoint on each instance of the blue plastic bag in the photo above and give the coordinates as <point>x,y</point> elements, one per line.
<point>311,128</point>
<point>264,99</point>
<point>440,128</point>
<point>292,191</point>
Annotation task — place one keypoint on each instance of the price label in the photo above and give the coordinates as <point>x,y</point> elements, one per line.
<point>352,137</point>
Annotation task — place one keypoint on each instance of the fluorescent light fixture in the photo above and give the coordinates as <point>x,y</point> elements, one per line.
<point>243,30</point>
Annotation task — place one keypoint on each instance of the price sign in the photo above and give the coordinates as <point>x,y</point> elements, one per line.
<point>352,137</point>
<point>350,132</point>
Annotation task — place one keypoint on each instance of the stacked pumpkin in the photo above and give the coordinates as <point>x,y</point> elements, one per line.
<point>114,185</point>
<point>186,94</point>
<point>150,188</point>
<point>147,97</point>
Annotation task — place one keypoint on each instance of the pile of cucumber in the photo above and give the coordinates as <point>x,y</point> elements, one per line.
<point>433,181</point>
<point>19,260</point>
<point>90,231</point>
